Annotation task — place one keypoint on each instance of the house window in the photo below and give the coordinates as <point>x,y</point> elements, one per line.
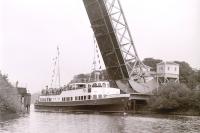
<point>175,69</point>
<point>168,68</point>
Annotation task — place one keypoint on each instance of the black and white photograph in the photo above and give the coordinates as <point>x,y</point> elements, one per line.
<point>99,66</point>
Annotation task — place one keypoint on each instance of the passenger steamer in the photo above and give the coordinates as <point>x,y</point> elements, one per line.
<point>85,97</point>
<point>93,96</point>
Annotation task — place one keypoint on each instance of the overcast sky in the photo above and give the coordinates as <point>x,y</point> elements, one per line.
<point>30,31</point>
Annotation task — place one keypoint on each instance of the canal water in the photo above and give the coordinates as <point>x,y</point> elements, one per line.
<point>41,122</point>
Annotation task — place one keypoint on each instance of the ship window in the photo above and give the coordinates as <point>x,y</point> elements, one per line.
<point>103,85</point>
<point>94,85</point>
<point>89,90</point>
<point>79,86</point>
<point>89,97</point>
<point>108,85</point>
<point>81,97</point>
<point>84,97</point>
<point>94,96</point>
<point>89,86</point>
<point>168,68</point>
<point>100,96</point>
<point>175,69</point>
<point>99,85</point>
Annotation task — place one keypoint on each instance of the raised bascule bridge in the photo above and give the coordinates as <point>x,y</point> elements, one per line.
<point>117,48</point>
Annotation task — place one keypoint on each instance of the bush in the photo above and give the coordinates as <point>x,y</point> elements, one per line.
<point>171,97</point>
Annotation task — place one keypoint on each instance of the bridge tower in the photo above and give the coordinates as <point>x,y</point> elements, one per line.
<point>116,44</point>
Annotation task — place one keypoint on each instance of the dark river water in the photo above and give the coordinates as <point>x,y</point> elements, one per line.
<point>40,122</point>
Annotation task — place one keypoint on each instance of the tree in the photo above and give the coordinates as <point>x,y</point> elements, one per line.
<point>198,76</point>
<point>151,62</point>
<point>187,75</point>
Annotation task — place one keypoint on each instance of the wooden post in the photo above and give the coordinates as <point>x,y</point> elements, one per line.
<point>134,109</point>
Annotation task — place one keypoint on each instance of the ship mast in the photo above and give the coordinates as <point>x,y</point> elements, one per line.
<point>96,63</point>
<point>56,70</point>
<point>58,66</point>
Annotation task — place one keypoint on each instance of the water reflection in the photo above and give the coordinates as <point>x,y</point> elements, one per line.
<point>41,122</point>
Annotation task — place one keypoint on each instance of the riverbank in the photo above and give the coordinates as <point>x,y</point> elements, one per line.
<point>146,110</point>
